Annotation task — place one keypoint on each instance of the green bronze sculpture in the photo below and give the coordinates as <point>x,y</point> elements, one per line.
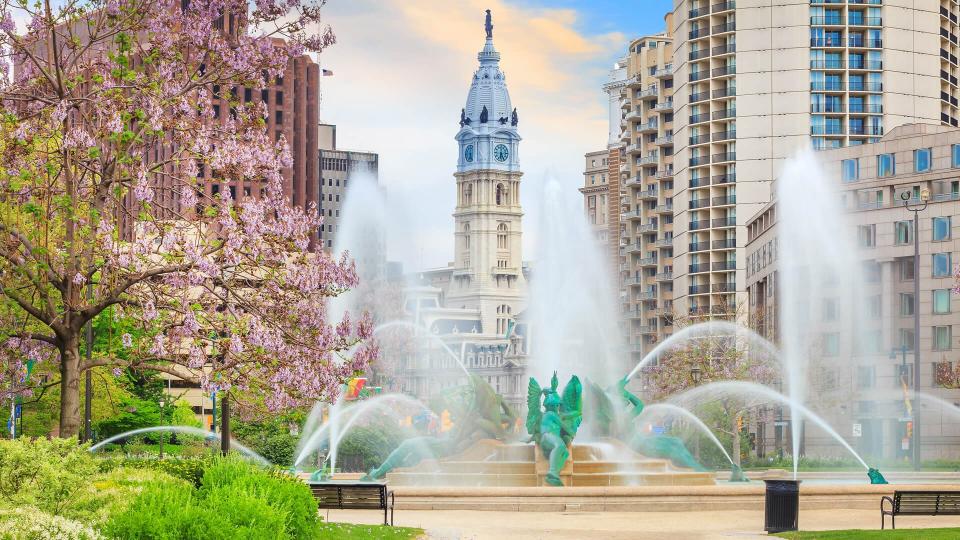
<point>477,411</point>
<point>554,427</point>
<point>876,477</point>
<point>615,410</point>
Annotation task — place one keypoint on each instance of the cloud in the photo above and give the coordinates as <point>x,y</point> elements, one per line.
<point>402,71</point>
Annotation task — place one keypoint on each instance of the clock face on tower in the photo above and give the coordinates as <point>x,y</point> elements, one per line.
<point>468,153</point>
<point>501,152</point>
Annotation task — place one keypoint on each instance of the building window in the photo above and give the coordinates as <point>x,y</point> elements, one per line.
<point>851,170</point>
<point>903,232</point>
<point>906,338</point>
<point>875,306</point>
<point>922,160</point>
<point>906,304</point>
<point>866,376</point>
<point>502,236</point>
<point>955,156</point>
<point>279,97</point>
<point>500,194</point>
<point>941,338</point>
<point>941,265</point>
<point>941,228</point>
<point>279,116</point>
<point>867,235</point>
<point>906,269</point>
<point>886,165</point>
<point>466,236</point>
<point>829,309</point>
<point>941,301</point>
<point>831,344</point>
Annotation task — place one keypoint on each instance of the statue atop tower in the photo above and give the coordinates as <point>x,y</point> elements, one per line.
<point>489,25</point>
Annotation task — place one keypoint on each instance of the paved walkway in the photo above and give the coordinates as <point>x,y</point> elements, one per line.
<point>474,525</point>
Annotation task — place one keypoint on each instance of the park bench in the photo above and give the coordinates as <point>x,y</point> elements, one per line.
<point>359,496</point>
<point>919,503</point>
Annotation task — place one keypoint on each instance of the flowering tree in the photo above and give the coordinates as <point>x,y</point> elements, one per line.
<point>107,122</point>
<point>713,356</point>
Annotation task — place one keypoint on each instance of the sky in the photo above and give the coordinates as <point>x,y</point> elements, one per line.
<point>402,69</point>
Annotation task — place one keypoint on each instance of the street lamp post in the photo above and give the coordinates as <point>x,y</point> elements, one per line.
<point>161,431</point>
<point>916,208</point>
<point>695,375</point>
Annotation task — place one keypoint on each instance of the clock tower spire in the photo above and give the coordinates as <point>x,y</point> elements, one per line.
<point>488,265</point>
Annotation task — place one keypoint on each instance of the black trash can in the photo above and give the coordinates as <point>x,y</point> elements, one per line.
<point>782,505</point>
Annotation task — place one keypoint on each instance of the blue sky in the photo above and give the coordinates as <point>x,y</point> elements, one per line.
<point>630,17</point>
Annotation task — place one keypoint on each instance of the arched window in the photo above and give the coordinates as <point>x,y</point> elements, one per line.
<point>468,194</point>
<point>501,194</point>
<point>502,236</point>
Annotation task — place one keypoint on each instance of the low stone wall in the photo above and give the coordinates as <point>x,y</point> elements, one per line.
<point>640,498</point>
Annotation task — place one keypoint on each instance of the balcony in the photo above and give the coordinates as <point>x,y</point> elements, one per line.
<point>664,106</point>
<point>634,247</point>
<point>666,140</point>
<point>865,21</point>
<point>724,135</point>
<point>826,42</point>
<point>699,118</point>
<point>724,265</point>
<point>866,65</point>
<point>699,181</point>
<point>830,20</point>
<point>729,48</point>
<point>647,261</point>
<point>720,223</point>
<point>650,159</point>
<point>827,86</point>
<point>699,96</point>
<point>666,208</point>
<point>633,180</point>
<point>699,203</point>
<point>631,281</point>
<point>723,287</point>
<point>633,115</point>
<point>649,193</point>
<point>866,130</point>
<point>699,160</point>
<point>701,224</point>
<point>664,173</point>
<point>633,214</point>
<point>826,107</point>
<point>858,86</point>
<point>725,92</point>
<point>634,313</point>
<point>700,32</point>
<point>633,149</point>
<point>699,311</point>
<point>647,329</point>
<point>698,289</point>
<point>829,129</point>
<point>728,156</point>
<point>725,200</point>
<point>728,178</point>
<point>725,70</point>
<point>832,63</point>
<point>649,126</point>
<point>699,75</point>
<point>724,114</point>
<point>699,54</point>
<point>698,246</point>
<point>699,139</point>
<point>728,243</point>
<point>664,73</point>
<point>723,6</point>
<point>665,276</point>
<point>649,92</point>
<point>724,28</point>
<point>699,267</point>
<point>694,13</point>
<point>647,227</point>
<point>664,242</point>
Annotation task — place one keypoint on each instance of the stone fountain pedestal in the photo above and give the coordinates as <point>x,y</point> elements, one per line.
<point>492,463</point>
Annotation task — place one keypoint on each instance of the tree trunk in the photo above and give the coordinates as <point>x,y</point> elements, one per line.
<point>70,388</point>
<point>735,444</point>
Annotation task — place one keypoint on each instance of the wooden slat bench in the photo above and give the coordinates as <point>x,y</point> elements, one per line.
<point>919,503</point>
<point>358,496</point>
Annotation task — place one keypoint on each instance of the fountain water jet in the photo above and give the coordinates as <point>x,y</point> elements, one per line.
<point>186,430</point>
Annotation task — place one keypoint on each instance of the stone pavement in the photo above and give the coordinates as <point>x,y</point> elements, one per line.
<point>476,525</point>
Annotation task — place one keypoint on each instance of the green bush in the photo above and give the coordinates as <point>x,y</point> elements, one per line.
<point>235,500</point>
<point>371,443</point>
<point>44,473</point>
<point>27,523</point>
<point>190,469</point>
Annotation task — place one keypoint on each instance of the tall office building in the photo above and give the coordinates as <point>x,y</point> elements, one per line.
<point>337,167</point>
<point>646,179</point>
<point>832,73</point>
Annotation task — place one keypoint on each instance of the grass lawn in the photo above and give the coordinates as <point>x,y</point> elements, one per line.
<point>348,531</point>
<point>860,534</point>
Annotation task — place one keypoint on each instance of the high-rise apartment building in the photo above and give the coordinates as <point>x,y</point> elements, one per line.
<point>596,191</point>
<point>337,168</point>
<point>756,80</point>
<point>646,186</point>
